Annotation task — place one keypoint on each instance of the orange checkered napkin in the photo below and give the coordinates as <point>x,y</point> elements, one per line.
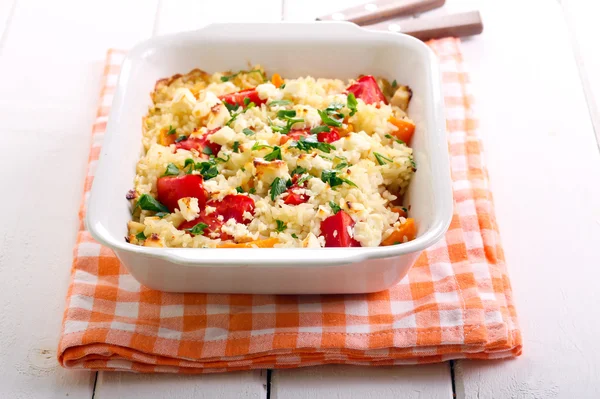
<point>456,302</point>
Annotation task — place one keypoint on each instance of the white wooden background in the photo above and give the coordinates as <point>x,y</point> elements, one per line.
<point>536,76</point>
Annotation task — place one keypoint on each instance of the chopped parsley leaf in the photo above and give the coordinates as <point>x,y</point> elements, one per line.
<point>236,146</point>
<point>231,107</point>
<point>206,150</point>
<point>198,229</point>
<point>161,214</point>
<point>394,83</point>
<point>229,77</point>
<point>282,87</point>
<point>246,101</point>
<point>341,165</point>
<point>208,169</point>
<point>252,190</point>
<point>239,189</point>
<point>331,177</point>
<point>294,235</point>
<point>311,142</point>
<point>149,203</point>
<point>286,113</point>
<point>281,225</point>
<point>172,130</point>
<point>412,162</point>
<point>181,138</point>
<point>320,129</point>
<point>247,132</point>
<point>382,160</point>
<point>389,136</point>
<point>140,236</point>
<point>276,154</point>
<point>334,207</point>
<point>298,171</point>
<point>352,103</point>
<point>328,120</point>
<point>172,170</point>
<point>278,186</point>
<point>279,102</point>
<point>303,179</point>
<point>257,146</point>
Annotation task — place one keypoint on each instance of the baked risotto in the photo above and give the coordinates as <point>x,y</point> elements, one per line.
<point>240,160</point>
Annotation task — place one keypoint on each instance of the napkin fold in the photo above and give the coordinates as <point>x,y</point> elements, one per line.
<point>456,302</point>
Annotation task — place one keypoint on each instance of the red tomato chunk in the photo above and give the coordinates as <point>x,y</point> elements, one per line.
<point>367,89</point>
<point>199,143</point>
<point>335,231</point>
<point>171,189</point>
<point>328,137</point>
<point>238,97</point>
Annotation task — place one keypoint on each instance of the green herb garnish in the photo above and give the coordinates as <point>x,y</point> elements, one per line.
<point>239,189</point>
<point>311,142</point>
<point>181,138</point>
<point>172,170</point>
<point>286,113</point>
<point>352,103</point>
<point>172,130</point>
<point>206,150</point>
<point>236,146</point>
<point>149,203</point>
<point>282,87</point>
<point>389,136</point>
<point>278,187</point>
<point>198,229</point>
<point>252,191</point>
<point>294,235</point>
<point>331,177</point>
<point>328,120</point>
<point>382,160</point>
<point>298,170</point>
<point>279,102</point>
<point>247,132</point>
<point>394,83</point>
<point>208,169</point>
<point>140,236</point>
<point>231,107</point>
<point>334,207</point>
<point>276,154</point>
<point>303,179</point>
<point>320,129</point>
<point>281,225</point>
<point>161,214</point>
<point>229,77</point>
<point>257,146</point>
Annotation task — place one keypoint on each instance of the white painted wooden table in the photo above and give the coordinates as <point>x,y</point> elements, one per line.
<point>536,74</point>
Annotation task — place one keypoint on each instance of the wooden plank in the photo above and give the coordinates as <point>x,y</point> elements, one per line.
<point>177,16</point>
<point>544,167</point>
<point>337,381</point>
<point>50,71</point>
<point>251,385</point>
<point>584,28</point>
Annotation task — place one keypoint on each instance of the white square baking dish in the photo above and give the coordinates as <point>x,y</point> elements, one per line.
<point>322,49</point>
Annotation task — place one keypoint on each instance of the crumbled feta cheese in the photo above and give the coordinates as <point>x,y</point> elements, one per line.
<point>205,104</point>
<point>223,136</point>
<point>311,241</point>
<point>188,206</point>
<point>183,101</point>
<point>209,209</point>
<point>268,91</point>
<point>268,171</point>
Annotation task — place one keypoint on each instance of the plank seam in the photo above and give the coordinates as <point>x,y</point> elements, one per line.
<point>9,19</point>
<point>583,73</point>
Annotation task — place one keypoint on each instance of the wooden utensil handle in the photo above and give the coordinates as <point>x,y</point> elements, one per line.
<point>380,10</point>
<point>456,25</point>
